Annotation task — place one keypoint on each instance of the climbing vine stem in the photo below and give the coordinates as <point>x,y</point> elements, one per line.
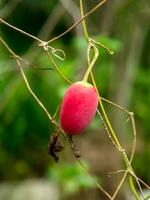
<point>105,117</point>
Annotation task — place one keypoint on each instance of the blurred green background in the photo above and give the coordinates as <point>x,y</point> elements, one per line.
<point>123,78</point>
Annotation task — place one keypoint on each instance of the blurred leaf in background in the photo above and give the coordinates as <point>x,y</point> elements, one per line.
<point>70,177</point>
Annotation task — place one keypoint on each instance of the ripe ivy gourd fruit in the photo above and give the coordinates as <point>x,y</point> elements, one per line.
<point>78,107</point>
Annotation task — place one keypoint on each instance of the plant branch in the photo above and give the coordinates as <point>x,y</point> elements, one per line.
<point>52,120</point>
<point>80,20</point>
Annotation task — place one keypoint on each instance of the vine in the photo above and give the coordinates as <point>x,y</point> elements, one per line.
<point>92,45</point>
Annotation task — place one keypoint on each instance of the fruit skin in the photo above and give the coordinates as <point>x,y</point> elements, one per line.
<point>78,107</point>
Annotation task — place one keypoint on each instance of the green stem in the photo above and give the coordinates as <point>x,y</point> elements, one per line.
<point>90,65</point>
<point>86,77</point>
<point>83,22</point>
<point>123,154</point>
<point>133,188</point>
<point>114,136</point>
<point>115,139</point>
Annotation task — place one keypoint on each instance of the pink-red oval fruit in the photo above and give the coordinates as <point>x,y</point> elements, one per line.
<point>78,107</point>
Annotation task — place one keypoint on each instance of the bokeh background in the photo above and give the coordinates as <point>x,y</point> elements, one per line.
<point>26,169</point>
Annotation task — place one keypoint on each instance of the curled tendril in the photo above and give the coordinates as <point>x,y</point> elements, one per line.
<point>110,51</point>
<point>54,51</point>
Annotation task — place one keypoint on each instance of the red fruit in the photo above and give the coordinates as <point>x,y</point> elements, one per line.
<point>78,107</point>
